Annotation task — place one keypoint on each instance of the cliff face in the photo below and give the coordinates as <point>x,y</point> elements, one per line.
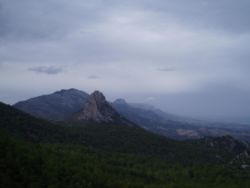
<point>97,109</point>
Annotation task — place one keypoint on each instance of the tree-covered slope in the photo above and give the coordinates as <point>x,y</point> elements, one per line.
<point>115,138</point>
<point>25,164</point>
<point>37,153</point>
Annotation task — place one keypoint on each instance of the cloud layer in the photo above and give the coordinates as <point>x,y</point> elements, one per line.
<point>131,48</point>
<point>46,69</point>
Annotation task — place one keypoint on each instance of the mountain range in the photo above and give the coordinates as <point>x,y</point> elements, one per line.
<point>95,145</point>
<point>73,104</point>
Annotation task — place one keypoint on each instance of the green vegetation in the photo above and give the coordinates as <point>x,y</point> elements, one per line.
<point>59,165</point>
<point>36,153</point>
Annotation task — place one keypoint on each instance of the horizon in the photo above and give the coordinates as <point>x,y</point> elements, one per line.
<point>229,120</point>
<point>186,58</point>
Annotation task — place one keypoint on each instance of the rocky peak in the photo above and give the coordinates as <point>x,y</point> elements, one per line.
<point>98,97</point>
<point>97,109</point>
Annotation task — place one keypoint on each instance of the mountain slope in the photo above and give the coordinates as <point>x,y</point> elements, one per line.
<point>176,127</point>
<point>115,138</point>
<point>155,120</point>
<point>56,106</point>
<point>25,164</point>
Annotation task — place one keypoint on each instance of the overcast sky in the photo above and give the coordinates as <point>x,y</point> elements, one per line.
<point>186,57</point>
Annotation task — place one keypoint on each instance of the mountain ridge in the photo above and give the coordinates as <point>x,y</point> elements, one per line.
<point>56,106</point>
<point>66,105</point>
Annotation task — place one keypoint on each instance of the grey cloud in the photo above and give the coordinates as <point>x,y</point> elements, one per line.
<point>51,70</point>
<point>167,69</point>
<point>53,19</point>
<point>93,77</point>
<point>43,20</point>
<point>220,101</point>
<point>62,29</point>
<point>229,16</point>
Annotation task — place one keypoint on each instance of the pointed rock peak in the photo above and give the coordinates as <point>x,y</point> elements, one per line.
<point>98,96</point>
<point>120,101</point>
<point>97,109</point>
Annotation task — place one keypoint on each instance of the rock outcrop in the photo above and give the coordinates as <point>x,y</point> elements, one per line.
<point>97,109</point>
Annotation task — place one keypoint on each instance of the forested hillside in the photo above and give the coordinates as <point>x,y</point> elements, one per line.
<point>36,153</point>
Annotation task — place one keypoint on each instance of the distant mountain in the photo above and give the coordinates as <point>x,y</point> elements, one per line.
<point>144,117</point>
<point>165,115</point>
<point>57,106</point>
<point>97,109</point>
<point>174,126</point>
<point>155,120</point>
<point>76,105</point>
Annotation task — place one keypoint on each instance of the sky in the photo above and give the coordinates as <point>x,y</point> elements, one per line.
<point>186,57</point>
